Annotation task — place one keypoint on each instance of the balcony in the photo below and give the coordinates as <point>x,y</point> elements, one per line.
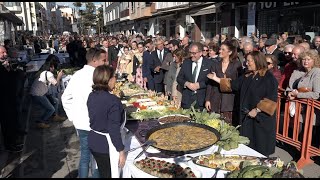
<point>15,8</point>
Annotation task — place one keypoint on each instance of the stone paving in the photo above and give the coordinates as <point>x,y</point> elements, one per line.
<point>54,153</point>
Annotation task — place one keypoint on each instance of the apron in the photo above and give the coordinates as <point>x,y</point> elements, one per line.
<point>113,153</point>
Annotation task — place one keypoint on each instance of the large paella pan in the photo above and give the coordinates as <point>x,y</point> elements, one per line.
<point>183,137</point>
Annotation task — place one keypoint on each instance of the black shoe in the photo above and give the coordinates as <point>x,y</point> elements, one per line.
<point>14,148</point>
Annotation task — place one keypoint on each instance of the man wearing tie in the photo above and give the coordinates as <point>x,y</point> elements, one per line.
<point>193,77</point>
<point>105,46</point>
<point>156,63</point>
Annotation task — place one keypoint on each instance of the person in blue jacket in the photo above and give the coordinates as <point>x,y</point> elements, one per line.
<point>106,115</point>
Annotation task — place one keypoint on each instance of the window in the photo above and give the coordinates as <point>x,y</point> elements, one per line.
<point>8,4</point>
<point>172,27</point>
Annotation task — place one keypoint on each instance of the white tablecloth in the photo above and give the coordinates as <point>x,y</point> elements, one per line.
<point>130,170</point>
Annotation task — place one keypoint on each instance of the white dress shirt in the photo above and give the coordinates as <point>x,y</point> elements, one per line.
<point>199,62</point>
<point>75,96</point>
<point>158,53</point>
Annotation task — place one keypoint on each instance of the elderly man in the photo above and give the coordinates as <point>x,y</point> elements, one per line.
<point>156,65</point>
<point>272,48</point>
<point>290,66</point>
<point>241,54</point>
<point>247,48</point>
<point>185,44</point>
<point>287,51</point>
<point>193,77</point>
<point>9,106</point>
<point>316,43</point>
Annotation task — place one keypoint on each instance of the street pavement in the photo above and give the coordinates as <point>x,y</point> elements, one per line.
<point>54,153</point>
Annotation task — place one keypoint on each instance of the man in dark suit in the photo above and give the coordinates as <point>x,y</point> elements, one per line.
<point>157,72</point>
<point>272,48</point>
<point>193,77</point>
<point>113,52</point>
<point>147,58</point>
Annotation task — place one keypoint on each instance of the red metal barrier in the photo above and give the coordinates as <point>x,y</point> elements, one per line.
<point>289,133</point>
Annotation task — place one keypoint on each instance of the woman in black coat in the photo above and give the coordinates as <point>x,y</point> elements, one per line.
<point>258,102</point>
<point>217,101</point>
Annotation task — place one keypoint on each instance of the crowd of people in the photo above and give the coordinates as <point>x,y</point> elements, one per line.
<point>236,78</point>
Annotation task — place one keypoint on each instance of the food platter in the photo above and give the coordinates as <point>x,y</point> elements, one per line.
<point>139,95</point>
<point>224,162</point>
<point>183,137</point>
<point>173,118</point>
<point>155,167</point>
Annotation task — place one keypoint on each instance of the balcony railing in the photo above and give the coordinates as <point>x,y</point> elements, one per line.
<point>164,5</point>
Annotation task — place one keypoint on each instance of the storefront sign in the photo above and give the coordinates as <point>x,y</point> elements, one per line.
<point>270,5</point>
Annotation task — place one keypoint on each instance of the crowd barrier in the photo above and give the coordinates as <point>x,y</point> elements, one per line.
<point>288,128</point>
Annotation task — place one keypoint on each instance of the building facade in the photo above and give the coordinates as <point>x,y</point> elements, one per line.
<point>67,15</point>
<point>111,14</point>
<point>57,23</point>
<point>8,24</point>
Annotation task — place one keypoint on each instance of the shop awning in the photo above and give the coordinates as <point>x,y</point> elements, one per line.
<point>206,10</point>
<point>5,13</point>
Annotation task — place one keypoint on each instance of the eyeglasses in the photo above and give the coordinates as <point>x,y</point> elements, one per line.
<point>193,53</point>
<point>288,53</point>
<point>269,63</point>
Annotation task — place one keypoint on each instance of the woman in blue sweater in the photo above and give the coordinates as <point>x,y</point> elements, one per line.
<point>106,116</point>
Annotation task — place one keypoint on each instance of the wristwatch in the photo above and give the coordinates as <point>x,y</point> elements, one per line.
<point>258,110</point>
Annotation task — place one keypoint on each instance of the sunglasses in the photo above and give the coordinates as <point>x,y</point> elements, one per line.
<point>288,53</point>
<point>269,63</point>
<point>206,50</point>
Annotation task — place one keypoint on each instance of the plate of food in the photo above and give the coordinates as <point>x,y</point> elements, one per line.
<point>155,167</point>
<point>224,162</point>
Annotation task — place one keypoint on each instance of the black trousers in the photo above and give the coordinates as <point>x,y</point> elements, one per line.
<point>103,162</point>
<point>159,87</point>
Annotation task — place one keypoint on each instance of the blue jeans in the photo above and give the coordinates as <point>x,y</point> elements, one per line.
<point>85,156</point>
<point>49,109</point>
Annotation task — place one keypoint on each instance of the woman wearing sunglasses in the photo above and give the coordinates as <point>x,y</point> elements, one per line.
<point>205,51</point>
<point>272,62</point>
